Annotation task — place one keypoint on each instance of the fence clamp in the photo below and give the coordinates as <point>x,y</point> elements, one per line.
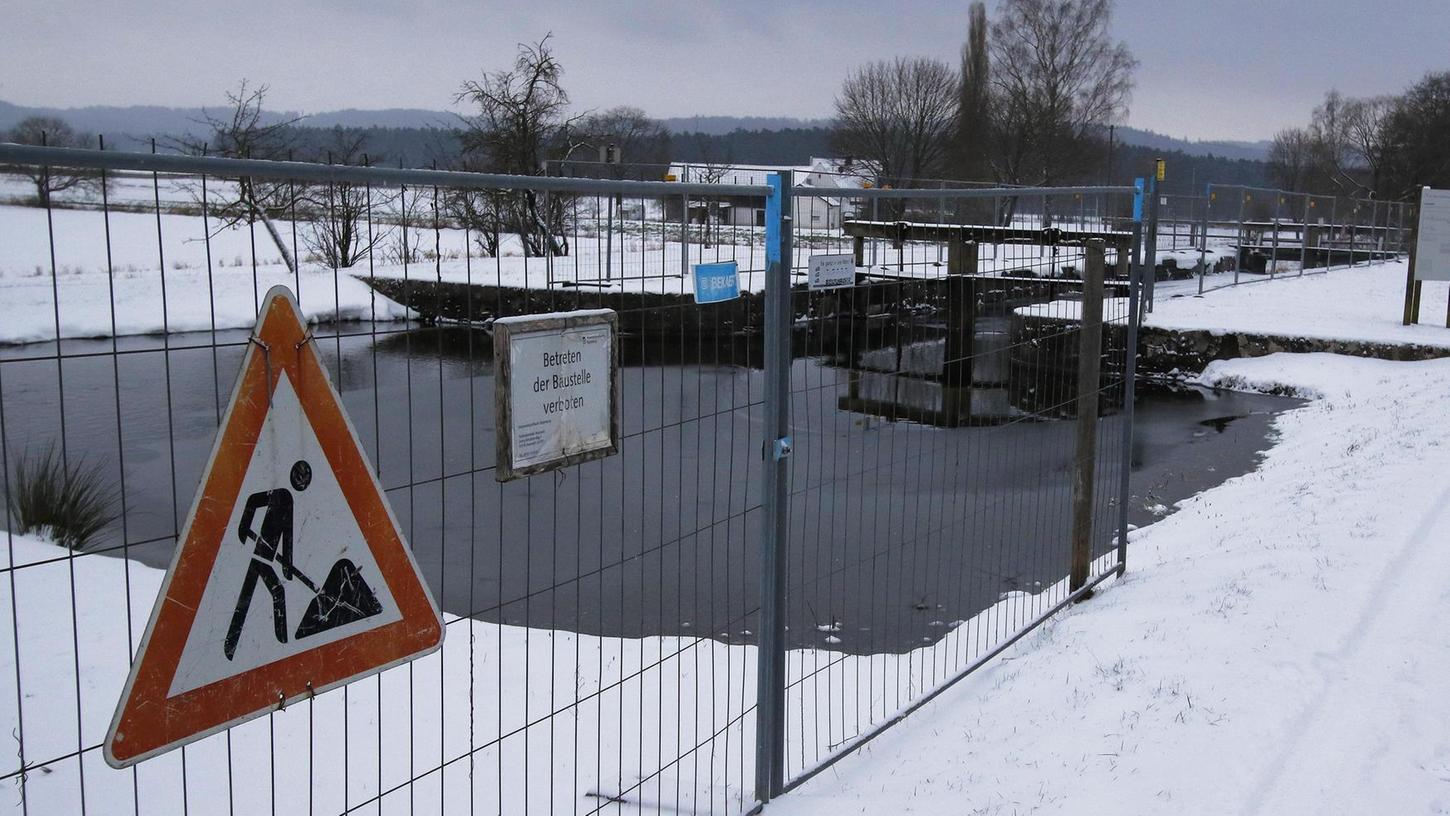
<point>780,449</point>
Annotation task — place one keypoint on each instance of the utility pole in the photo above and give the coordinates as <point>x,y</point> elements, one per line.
<point>1111,133</point>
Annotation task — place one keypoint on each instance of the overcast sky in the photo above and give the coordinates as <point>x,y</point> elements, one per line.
<point>1224,69</point>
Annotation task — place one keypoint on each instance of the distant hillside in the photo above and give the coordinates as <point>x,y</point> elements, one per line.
<point>1186,173</point>
<point>1252,151</point>
<point>417,137</point>
<point>140,122</point>
<point>148,120</point>
<point>723,125</point>
<point>788,146</point>
<point>1190,164</point>
<point>386,118</point>
<point>732,126</point>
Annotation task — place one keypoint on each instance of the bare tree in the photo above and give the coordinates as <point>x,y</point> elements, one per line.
<point>1059,79</point>
<point>244,132</point>
<point>521,121</point>
<point>483,212</point>
<point>1365,124</point>
<point>1331,158</point>
<point>1416,150</point>
<point>713,167</point>
<point>974,115</point>
<point>48,130</point>
<point>637,138</point>
<point>340,232</point>
<point>1290,157</point>
<point>901,116</point>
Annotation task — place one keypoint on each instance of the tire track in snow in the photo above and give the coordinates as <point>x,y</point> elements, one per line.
<point>1327,744</point>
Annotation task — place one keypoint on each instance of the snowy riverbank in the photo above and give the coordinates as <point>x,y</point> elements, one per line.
<point>1275,647</point>
<point>1364,303</point>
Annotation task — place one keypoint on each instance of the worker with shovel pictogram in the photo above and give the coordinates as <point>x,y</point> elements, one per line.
<point>343,598</point>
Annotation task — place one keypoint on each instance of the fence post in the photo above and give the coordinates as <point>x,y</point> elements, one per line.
<point>1203,236</point>
<point>1130,381</point>
<point>1329,237</point>
<point>961,330</point>
<point>1304,235</point>
<point>1239,256</point>
<point>775,515</point>
<point>1274,251</point>
<point>1139,202</point>
<point>1089,367</point>
<point>1150,244</point>
<point>1353,232</point>
<point>1412,286</point>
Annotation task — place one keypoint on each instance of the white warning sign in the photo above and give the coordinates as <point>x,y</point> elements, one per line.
<point>1432,246</point>
<point>832,271</point>
<point>557,390</point>
<point>292,575</point>
<point>297,572</point>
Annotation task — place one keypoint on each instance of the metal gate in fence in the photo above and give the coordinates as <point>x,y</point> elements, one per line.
<point>828,504</point>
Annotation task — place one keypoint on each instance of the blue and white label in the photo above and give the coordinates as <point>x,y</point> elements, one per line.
<point>715,282</point>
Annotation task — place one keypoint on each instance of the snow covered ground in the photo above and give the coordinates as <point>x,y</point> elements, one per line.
<point>216,284</point>
<point>80,295</point>
<point>1359,303</point>
<point>1276,647</point>
<point>68,267</point>
<point>1364,303</point>
<point>580,716</point>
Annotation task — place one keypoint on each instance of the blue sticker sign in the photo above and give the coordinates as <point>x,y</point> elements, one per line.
<point>715,282</point>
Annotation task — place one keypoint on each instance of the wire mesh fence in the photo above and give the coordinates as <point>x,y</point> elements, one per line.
<point>934,410</point>
<point>1234,234</point>
<point>606,624</point>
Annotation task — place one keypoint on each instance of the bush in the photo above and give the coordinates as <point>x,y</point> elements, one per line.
<point>71,502</point>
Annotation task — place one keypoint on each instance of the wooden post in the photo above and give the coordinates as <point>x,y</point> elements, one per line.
<point>961,331</point>
<point>858,247</point>
<point>1089,368</point>
<point>1412,286</point>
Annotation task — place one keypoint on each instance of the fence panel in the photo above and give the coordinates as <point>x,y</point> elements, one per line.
<point>598,619</point>
<point>933,410</point>
<point>953,475</point>
<point>1235,234</point>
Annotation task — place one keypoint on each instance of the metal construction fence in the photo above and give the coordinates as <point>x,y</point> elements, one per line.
<point>1234,234</point>
<point>828,504</point>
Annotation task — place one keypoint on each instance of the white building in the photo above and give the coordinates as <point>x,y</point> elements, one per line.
<point>811,212</point>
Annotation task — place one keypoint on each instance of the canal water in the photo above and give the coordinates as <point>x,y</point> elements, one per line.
<point>897,529</point>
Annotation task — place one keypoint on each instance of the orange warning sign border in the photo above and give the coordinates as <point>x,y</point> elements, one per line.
<point>147,722</point>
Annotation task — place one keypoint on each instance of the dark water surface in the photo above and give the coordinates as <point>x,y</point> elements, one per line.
<point>896,528</point>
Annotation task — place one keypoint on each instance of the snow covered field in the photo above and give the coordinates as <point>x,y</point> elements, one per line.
<point>216,285</point>
<point>581,716</point>
<point>1363,303</point>
<point>1276,647</point>
<point>1359,303</point>
<point>80,294</point>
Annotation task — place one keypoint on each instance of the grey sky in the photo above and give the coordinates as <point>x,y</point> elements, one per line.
<point>1233,69</point>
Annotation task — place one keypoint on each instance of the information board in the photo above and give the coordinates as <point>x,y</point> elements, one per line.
<point>715,282</point>
<point>832,271</point>
<point>556,400</point>
<point>1432,247</point>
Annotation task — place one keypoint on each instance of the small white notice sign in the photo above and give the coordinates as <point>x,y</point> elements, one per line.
<point>1432,247</point>
<point>832,271</point>
<point>557,390</point>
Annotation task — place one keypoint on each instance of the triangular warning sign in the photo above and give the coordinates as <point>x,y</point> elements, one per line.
<point>291,577</point>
